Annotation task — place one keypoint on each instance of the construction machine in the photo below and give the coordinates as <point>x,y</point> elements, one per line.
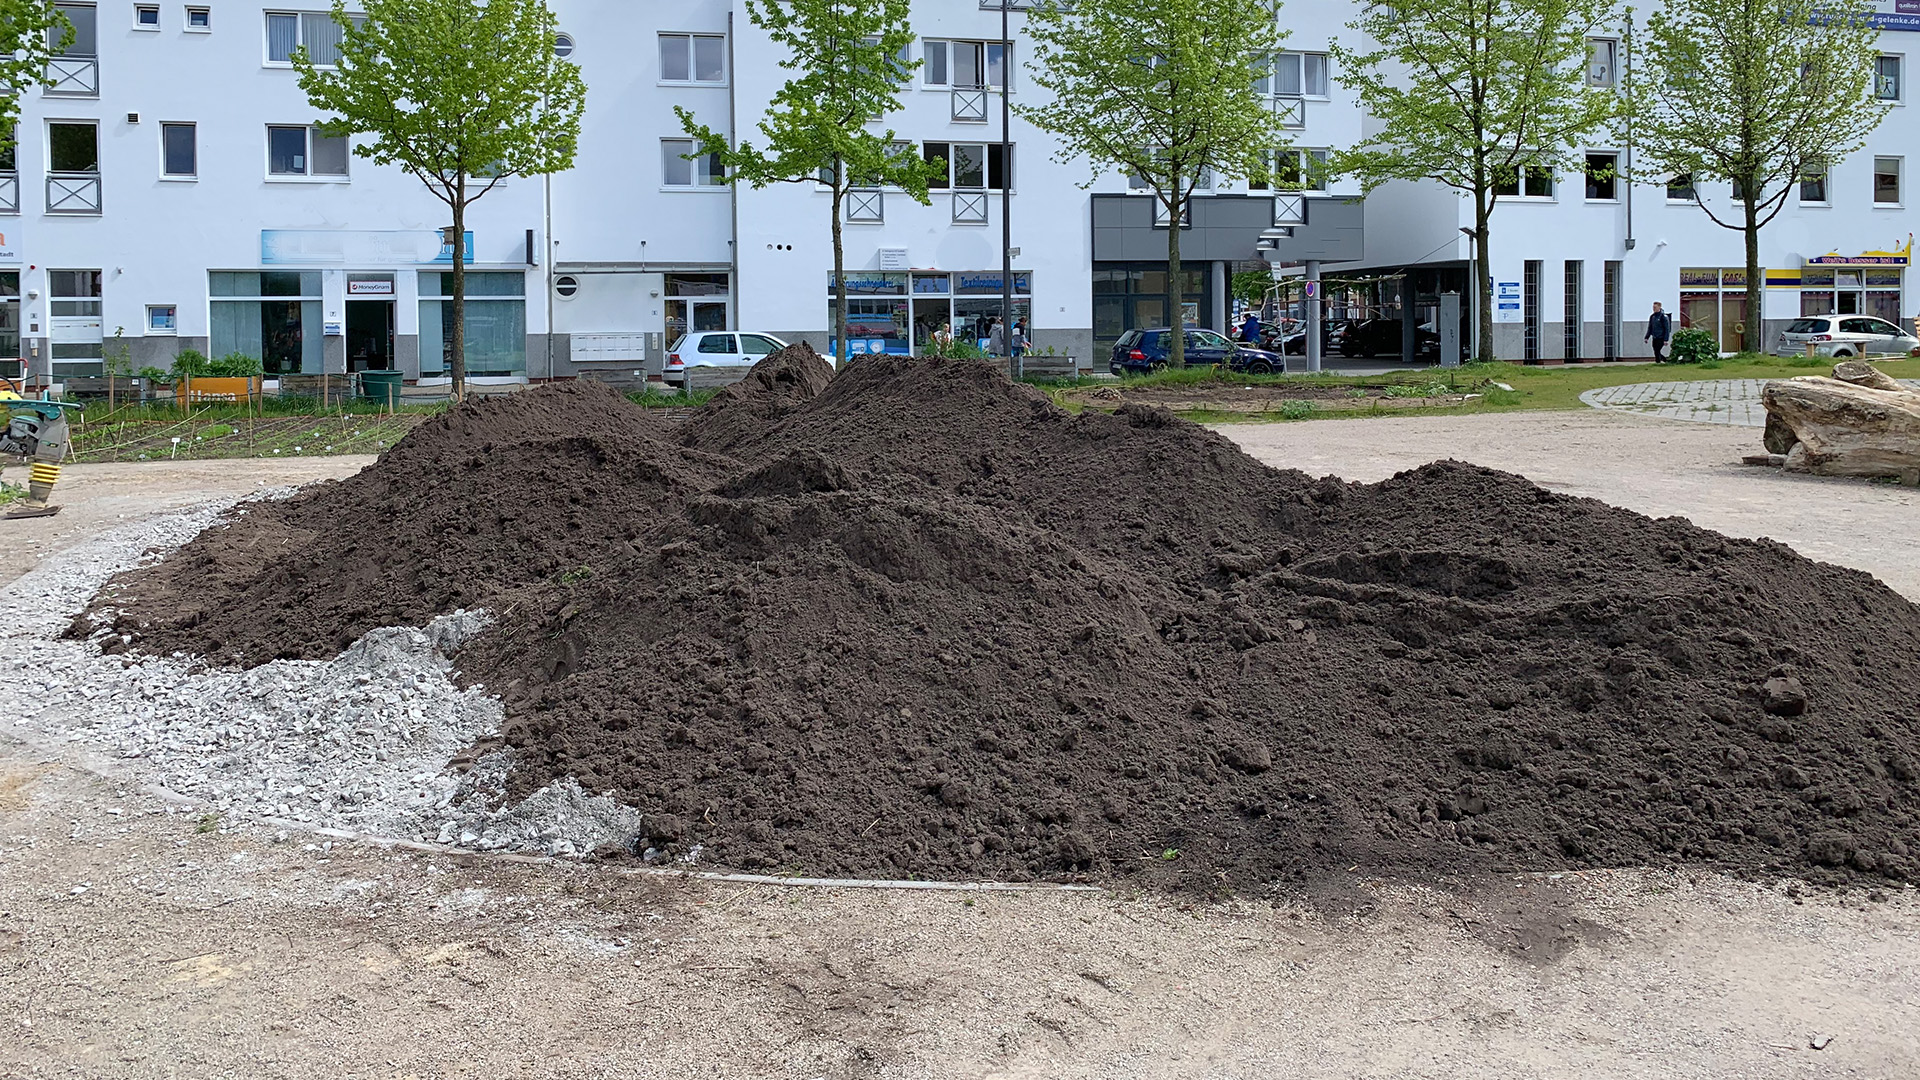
<point>37,431</point>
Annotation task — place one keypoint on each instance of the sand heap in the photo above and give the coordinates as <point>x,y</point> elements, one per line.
<point>916,620</point>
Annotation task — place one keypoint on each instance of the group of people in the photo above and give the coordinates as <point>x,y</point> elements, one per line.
<point>994,332</point>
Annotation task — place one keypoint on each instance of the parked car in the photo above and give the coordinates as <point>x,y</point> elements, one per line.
<point>1845,335</point>
<point>1381,337</point>
<point>1141,351</point>
<point>719,348</point>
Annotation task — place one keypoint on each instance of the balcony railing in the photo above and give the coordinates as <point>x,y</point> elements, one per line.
<point>1289,209</point>
<point>866,205</point>
<point>970,106</point>
<point>9,193</point>
<point>970,207</point>
<point>73,76</point>
<point>73,193</point>
<point>1292,111</point>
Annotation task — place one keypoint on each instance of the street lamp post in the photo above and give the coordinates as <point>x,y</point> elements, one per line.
<point>1006,174</point>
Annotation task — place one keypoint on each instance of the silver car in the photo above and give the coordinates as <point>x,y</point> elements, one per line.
<point>1845,335</point>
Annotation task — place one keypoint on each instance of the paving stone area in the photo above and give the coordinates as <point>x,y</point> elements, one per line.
<point>1719,401</point>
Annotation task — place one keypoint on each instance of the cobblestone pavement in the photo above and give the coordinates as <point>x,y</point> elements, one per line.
<point>1717,401</point>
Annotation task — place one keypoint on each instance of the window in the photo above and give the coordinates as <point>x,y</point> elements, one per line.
<point>1813,186</point>
<point>1680,188</point>
<point>1886,78</point>
<point>161,319</point>
<point>73,147</point>
<point>84,18</point>
<point>273,315</point>
<point>1572,313</point>
<point>965,65</point>
<point>199,19</point>
<point>288,152</point>
<point>78,345</point>
<point>717,343</point>
<point>1296,170</point>
<point>1292,74</point>
<point>178,156</point>
<point>1886,181</point>
<point>496,322</point>
<point>314,31</point>
<point>146,16</point>
<point>1603,174</point>
<point>1530,310</point>
<point>677,171</point>
<point>700,58</point>
<point>1603,62</point>
<point>969,165</point>
<point>1539,183</point>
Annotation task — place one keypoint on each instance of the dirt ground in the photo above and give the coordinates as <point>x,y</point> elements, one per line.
<point>141,939</point>
<point>1263,398</point>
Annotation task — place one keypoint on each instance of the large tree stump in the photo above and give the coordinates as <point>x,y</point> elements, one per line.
<point>1858,423</point>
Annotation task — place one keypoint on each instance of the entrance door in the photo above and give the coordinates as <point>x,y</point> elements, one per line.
<point>694,316</point>
<point>369,335</point>
<point>1847,293</point>
<point>928,317</point>
<point>76,329</point>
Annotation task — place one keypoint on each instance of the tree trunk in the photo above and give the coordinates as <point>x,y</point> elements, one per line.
<point>1484,272</point>
<point>1177,296</point>
<point>1755,286</point>
<point>457,351</point>
<point>840,352</point>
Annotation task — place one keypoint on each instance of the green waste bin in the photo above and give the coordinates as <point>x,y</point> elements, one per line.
<point>381,387</point>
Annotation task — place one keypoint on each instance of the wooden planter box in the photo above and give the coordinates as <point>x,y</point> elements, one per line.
<point>218,389</point>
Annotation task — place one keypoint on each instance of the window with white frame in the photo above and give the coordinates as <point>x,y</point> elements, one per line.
<point>179,153</point>
<point>899,150</point>
<point>146,16</point>
<point>1886,181</point>
<point>964,65</point>
<point>1295,169</point>
<point>199,19</point>
<point>162,318</point>
<point>1813,186</point>
<point>1294,74</point>
<point>314,31</point>
<point>680,167</point>
<point>1537,183</point>
<point>305,150</point>
<point>969,166</point>
<point>693,58</point>
<point>1603,177</point>
<point>1680,188</point>
<point>1603,62</point>
<point>1886,78</point>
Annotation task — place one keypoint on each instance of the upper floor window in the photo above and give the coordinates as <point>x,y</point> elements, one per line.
<point>965,65</point>
<point>1680,188</point>
<point>1603,62</point>
<point>1538,183</point>
<point>700,58</point>
<point>146,16</point>
<point>1813,185</point>
<point>313,30</point>
<point>199,18</point>
<point>976,166</point>
<point>305,151</point>
<point>1294,74</point>
<point>1603,177</point>
<point>1886,181</point>
<point>179,157</point>
<point>678,170</point>
<point>1295,169</point>
<point>1886,78</point>
<point>85,21</point>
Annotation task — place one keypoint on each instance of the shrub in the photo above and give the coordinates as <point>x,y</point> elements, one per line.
<point>193,364</point>
<point>152,374</point>
<point>190,364</point>
<point>1296,410</point>
<point>1694,346</point>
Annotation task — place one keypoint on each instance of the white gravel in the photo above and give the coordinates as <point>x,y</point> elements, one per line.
<point>361,743</point>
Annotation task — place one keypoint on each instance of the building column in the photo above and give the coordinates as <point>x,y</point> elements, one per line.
<point>1314,306</point>
<point>1220,289</point>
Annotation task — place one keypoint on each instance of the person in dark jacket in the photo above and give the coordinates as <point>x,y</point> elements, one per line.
<point>1250,330</point>
<point>1659,332</point>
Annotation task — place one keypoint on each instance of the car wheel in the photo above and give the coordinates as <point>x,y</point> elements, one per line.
<point>1842,353</point>
<point>1259,367</point>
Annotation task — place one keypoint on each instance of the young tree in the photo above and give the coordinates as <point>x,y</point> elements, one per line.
<point>32,32</point>
<point>461,94</point>
<point>1163,89</point>
<point>849,61</point>
<point>1477,95</point>
<point>1762,93</point>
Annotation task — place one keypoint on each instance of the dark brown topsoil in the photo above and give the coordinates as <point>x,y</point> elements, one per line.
<point>916,620</point>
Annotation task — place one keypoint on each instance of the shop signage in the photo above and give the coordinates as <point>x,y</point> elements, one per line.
<point>990,283</point>
<point>1871,258</point>
<point>10,245</point>
<point>1506,301</point>
<point>893,258</point>
<point>369,288</point>
<point>333,329</point>
<point>1905,15</point>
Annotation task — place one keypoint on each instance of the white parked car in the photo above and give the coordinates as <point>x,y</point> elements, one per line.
<point>719,348</point>
<point>1845,335</point>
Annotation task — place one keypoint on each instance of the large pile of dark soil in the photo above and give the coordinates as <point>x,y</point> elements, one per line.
<point>919,621</point>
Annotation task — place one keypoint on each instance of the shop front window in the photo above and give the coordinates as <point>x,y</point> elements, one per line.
<point>272,316</point>
<point>496,322</point>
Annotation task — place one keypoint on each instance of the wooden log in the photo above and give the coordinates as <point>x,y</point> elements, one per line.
<point>1843,428</point>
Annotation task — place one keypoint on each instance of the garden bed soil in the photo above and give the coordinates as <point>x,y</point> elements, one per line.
<point>272,436</point>
<point>919,621</point>
<point>1255,399</point>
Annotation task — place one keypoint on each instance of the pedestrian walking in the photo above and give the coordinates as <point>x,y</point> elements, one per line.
<point>1250,330</point>
<point>943,339</point>
<point>1659,332</point>
<point>996,338</point>
<point>1019,337</point>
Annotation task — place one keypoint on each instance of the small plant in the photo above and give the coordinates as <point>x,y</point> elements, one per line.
<point>190,364</point>
<point>152,374</point>
<point>236,365</point>
<point>1170,854</point>
<point>10,492</point>
<point>956,349</point>
<point>576,575</point>
<point>1296,410</point>
<point>118,356</point>
<point>207,823</point>
<point>1693,346</point>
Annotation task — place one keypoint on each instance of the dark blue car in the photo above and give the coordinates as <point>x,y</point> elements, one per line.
<point>1141,351</point>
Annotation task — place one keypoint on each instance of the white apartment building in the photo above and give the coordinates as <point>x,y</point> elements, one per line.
<point>169,191</point>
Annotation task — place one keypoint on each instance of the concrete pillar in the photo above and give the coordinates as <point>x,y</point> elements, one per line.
<point>1221,287</point>
<point>1315,303</point>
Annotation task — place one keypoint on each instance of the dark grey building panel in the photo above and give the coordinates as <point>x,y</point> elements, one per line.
<point>1225,228</point>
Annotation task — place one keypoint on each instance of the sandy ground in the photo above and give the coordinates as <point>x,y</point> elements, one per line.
<point>141,939</point>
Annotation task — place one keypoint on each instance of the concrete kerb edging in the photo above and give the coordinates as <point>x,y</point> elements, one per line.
<point>94,765</point>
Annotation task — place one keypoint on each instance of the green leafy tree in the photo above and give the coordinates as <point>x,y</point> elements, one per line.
<point>462,94</point>
<point>1479,95</point>
<point>1162,89</point>
<point>1761,93</point>
<point>32,32</point>
<point>848,60</point>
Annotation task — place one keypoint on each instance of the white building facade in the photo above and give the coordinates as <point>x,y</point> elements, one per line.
<point>170,191</point>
